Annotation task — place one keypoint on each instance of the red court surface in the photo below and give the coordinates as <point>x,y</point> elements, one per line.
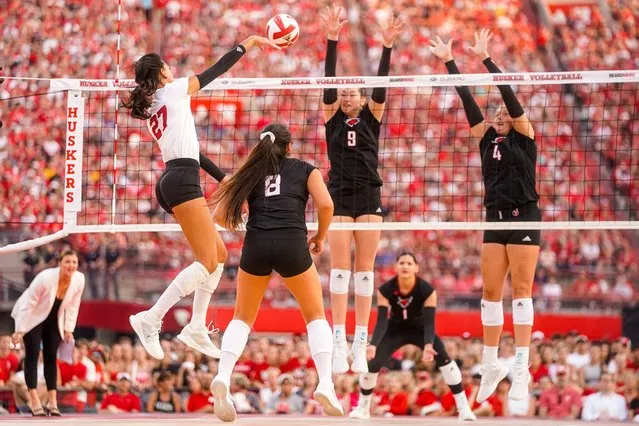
<point>205,420</point>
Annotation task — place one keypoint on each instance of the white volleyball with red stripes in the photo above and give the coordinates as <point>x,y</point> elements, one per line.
<point>283,30</point>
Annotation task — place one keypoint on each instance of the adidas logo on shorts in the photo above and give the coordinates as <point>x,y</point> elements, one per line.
<point>527,239</point>
<point>379,210</point>
<point>340,276</point>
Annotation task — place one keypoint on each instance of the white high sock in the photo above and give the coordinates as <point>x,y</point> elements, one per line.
<point>233,344</point>
<point>167,300</point>
<point>202,298</point>
<point>321,347</point>
<point>339,332</point>
<point>461,401</point>
<point>490,355</point>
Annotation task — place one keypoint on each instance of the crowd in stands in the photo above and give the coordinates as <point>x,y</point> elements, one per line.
<point>587,136</point>
<point>596,380</point>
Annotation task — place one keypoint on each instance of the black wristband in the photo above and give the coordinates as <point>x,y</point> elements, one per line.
<point>379,93</point>
<point>429,324</point>
<point>330,95</point>
<point>513,106</point>
<point>472,110</point>
<point>221,66</point>
<point>380,326</point>
<point>210,168</point>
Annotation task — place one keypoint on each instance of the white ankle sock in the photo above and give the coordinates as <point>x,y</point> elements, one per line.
<point>339,332</point>
<point>361,333</point>
<point>461,401</point>
<point>522,354</point>
<point>490,355</point>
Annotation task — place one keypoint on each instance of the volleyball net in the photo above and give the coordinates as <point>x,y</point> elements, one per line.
<point>76,163</point>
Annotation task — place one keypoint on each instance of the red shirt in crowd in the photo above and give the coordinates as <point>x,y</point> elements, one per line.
<point>290,365</point>
<point>128,402</point>
<point>558,402</point>
<point>425,397</point>
<point>399,404</point>
<point>198,400</point>
<point>70,371</point>
<point>256,370</point>
<point>541,371</point>
<point>8,365</point>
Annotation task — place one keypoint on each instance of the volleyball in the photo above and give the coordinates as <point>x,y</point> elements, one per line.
<point>283,30</point>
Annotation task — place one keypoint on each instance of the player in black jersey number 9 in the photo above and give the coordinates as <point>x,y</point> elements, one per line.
<point>352,133</point>
<point>508,153</point>
<point>277,189</point>
<point>163,101</point>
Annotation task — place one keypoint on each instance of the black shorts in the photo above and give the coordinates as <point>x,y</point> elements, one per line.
<point>356,204</point>
<point>523,237</point>
<point>282,250</point>
<point>179,183</point>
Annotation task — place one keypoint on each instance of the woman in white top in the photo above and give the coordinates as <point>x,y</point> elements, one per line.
<point>45,314</point>
<point>164,102</point>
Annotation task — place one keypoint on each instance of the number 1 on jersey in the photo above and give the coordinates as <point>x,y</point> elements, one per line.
<point>272,185</point>
<point>496,153</point>
<point>155,121</point>
<point>351,138</point>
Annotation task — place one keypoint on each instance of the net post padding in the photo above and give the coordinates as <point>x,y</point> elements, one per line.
<point>72,175</point>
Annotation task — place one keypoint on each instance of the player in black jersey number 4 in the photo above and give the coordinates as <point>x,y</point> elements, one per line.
<point>352,133</point>
<point>277,189</point>
<point>411,302</point>
<point>509,155</point>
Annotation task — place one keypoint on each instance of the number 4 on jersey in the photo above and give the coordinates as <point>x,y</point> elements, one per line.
<point>496,153</point>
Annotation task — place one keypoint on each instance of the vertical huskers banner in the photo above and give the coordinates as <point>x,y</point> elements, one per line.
<point>73,152</point>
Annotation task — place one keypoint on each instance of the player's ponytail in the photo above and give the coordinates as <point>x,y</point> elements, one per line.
<point>147,76</point>
<point>264,160</point>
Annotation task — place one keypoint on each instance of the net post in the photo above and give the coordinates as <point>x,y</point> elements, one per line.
<point>73,158</point>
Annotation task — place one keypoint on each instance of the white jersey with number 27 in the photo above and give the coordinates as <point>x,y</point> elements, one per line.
<point>172,124</point>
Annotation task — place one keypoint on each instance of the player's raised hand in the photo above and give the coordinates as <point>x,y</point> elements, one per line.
<point>391,29</point>
<point>257,41</point>
<point>481,43</point>
<point>330,17</point>
<point>442,50</point>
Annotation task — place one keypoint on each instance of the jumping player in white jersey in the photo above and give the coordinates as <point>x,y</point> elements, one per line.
<point>163,101</point>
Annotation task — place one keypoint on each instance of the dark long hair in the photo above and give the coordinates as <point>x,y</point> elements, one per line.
<point>264,160</point>
<point>147,76</point>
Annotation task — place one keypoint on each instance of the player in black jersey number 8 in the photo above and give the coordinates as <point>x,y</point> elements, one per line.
<point>164,102</point>
<point>411,302</point>
<point>277,189</point>
<point>352,134</point>
<point>509,154</point>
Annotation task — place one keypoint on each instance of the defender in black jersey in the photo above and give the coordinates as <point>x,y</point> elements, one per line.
<point>276,188</point>
<point>352,133</point>
<point>508,154</point>
<point>411,302</point>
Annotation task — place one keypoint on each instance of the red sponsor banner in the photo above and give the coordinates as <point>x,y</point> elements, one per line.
<point>115,316</point>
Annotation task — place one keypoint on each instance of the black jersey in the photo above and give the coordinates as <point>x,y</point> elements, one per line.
<point>353,146</point>
<point>508,169</point>
<point>406,309</point>
<point>281,201</point>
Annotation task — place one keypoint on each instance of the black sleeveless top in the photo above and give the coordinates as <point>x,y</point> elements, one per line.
<point>353,147</point>
<point>508,169</point>
<point>281,201</point>
<point>406,309</point>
